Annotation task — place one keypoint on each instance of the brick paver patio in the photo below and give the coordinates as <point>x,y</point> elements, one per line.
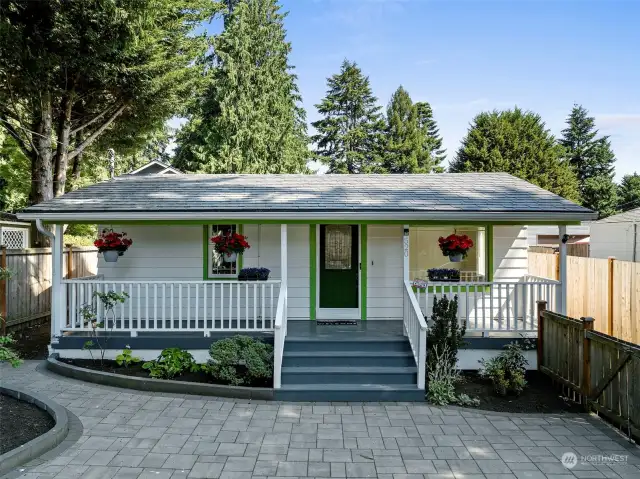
<point>130,434</point>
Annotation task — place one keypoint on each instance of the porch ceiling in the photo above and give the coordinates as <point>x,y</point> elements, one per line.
<point>484,197</point>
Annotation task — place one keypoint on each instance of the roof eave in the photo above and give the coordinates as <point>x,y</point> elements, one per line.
<point>487,216</point>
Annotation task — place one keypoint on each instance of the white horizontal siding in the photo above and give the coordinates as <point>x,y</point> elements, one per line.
<point>384,272</point>
<point>510,260</point>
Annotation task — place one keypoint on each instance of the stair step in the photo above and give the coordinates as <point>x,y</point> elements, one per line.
<point>379,345</point>
<point>348,358</point>
<point>349,392</point>
<point>349,375</point>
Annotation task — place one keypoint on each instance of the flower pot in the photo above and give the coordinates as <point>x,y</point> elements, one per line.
<point>111,256</point>
<point>231,258</point>
<point>455,258</point>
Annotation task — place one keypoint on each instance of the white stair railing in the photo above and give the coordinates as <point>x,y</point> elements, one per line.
<point>415,328</point>
<point>280,335</point>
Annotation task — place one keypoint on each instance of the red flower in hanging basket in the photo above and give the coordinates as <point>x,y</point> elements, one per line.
<point>227,243</point>
<point>454,245</point>
<point>111,241</point>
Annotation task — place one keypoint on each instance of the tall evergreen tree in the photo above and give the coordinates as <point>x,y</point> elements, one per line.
<point>433,154</point>
<point>404,140</point>
<point>349,136</point>
<point>249,120</point>
<point>591,157</point>
<point>518,143</point>
<point>629,192</point>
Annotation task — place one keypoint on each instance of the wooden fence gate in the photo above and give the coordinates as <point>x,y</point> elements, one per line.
<point>602,370</point>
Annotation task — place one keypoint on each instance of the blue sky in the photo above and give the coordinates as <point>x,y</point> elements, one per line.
<point>466,56</point>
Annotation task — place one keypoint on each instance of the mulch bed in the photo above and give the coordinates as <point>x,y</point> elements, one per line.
<point>20,422</point>
<point>32,339</point>
<point>540,395</point>
<point>137,371</point>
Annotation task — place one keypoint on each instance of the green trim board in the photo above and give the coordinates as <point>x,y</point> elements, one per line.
<point>363,272</point>
<point>205,256</point>
<point>313,265</point>
<point>489,253</point>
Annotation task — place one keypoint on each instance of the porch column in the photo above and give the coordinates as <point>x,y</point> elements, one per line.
<point>284,264</point>
<point>562,299</point>
<point>58,291</point>
<point>405,252</point>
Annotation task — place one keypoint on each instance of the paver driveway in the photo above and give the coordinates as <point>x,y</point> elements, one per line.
<point>129,434</point>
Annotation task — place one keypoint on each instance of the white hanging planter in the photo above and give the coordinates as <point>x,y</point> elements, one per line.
<point>230,258</point>
<point>111,256</point>
<point>455,258</point>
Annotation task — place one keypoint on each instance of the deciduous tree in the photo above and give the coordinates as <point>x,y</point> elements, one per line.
<point>516,142</point>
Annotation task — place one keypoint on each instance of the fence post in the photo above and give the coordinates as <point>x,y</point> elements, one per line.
<point>541,307</point>
<point>610,297</point>
<point>69,261</point>
<point>3,291</point>
<point>587,324</point>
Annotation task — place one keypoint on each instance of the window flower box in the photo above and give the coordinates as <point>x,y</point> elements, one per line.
<point>254,274</point>
<point>444,275</point>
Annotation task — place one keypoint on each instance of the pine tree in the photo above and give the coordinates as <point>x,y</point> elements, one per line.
<point>404,139</point>
<point>349,136</point>
<point>518,143</point>
<point>249,120</point>
<point>591,157</point>
<point>433,154</point>
<point>629,192</point>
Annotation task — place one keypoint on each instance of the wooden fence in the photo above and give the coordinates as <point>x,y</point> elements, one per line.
<point>605,289</point>
<point>601,370</point>
<point>575,249</point>
<point>26,296</point>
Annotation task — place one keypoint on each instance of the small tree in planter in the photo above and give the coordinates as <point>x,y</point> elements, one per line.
<point>455,246</point>
<point>112,245</point>
<point>229,245</point>
<point>89,315</point>
<point>445,332</point>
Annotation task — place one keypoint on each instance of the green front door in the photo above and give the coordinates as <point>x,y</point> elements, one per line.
<point>339,266</point>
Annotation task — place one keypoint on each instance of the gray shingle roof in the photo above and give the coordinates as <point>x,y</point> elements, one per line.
<point>428,196</point>
<point>631,216</point>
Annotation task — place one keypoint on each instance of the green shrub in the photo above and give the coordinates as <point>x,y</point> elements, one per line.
<point>506,371</point>
<point>444,332</point>
<point>240,360</point>
<point>127,358</point>
<point>7,354</point>
<point>172,362</point>
<point>443,377</point>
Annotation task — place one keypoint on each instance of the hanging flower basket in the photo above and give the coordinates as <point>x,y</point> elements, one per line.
<point>229,245</point>
<point>112,245</point>
<point>455,247</point>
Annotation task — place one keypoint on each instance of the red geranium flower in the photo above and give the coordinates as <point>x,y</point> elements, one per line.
<point>455,244</point>
<point>110,240</point>
<point>227,243</point>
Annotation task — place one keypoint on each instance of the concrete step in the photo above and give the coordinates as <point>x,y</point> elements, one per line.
<point>349,392</point>
<point>349,375</point>
<point>348,358</point>
<point>378,345</point>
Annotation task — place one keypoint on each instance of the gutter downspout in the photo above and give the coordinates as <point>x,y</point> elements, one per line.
<point>44,230</point>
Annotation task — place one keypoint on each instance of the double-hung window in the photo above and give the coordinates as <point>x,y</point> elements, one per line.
<point>217,267</point>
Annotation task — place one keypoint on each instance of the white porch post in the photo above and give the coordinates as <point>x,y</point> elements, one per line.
<point>405,254</point>
<point>562,300</point>
<point>58,291</point>
<point>284,265</point>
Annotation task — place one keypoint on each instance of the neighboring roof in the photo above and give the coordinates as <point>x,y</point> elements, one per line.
<point>162,168</point>
<point>447,196</point>
<point>11,220</point>
<point>631,216</point>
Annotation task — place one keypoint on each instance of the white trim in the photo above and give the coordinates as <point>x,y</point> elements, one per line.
<point>562,230</point>
<point>339,313</point>
<point>17,224</point>
<point>155,162</point>
<point>405,252</point>
<point>459,217</point>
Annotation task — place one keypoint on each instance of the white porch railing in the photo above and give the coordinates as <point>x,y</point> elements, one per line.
<point>280,335</point>
<point>494,306</point>
<point>415,328</point>
<point>192,306</point>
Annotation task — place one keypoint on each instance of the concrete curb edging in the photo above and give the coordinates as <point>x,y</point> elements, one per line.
<point>156,385</point>
<point>41,444</point>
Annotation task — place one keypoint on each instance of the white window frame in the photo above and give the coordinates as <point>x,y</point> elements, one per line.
<point>237,228</point>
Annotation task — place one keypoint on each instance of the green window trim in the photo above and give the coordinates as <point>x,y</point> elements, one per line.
<point>363,272</point>
<point>205,255</point>
<point>313,266</point>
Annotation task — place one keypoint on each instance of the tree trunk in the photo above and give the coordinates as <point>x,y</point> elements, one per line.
<point>62,150</point>
<point>41,167</point>
<point>76,165</point>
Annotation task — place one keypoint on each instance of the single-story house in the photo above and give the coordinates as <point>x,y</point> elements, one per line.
<point>14,234</point>
<point>346,301</point>
<point>617,236</point>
